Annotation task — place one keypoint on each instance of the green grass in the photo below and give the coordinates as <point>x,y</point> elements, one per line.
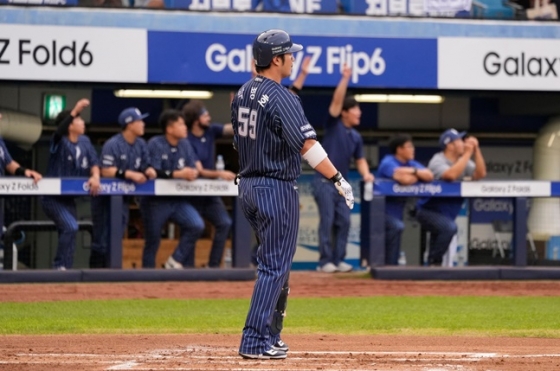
<point>481,316</point>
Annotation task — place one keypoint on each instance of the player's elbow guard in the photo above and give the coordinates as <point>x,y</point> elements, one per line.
<point>315,155</point>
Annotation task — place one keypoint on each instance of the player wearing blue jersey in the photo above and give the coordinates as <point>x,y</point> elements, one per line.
<point>202,137</point>
<point>71,155</point>
<point>10,166</point>
<point>272,134</point>
<point>342,142</point>
<point>172,157</point>
<point>399,166</point>
<point>124,156</point>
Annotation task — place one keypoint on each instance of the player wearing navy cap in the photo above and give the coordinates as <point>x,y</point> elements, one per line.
<point>172,157</point>
<point>124,156</point>
<point>342,142</point>
<point>454,163</point>
<point>202,137</point>
<point>71,155</point>
<point>272,134</point>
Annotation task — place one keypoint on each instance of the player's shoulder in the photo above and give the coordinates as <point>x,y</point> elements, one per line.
<point>84,139</point>
<point>155,140</point>
<point>113,141</point>
<point>140,142</point>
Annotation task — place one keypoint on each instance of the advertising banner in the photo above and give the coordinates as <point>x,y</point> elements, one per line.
<point>498,64</point>
<point>60,53</point>
<point>225,59</point>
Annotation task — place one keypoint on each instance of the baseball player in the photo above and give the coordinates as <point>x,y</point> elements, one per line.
<point>10,166</point>
<point>202,137</point>
<point>172,157</point>
<point>342,143</point>
<point>72,155</point>
<point>124,156</point>
<point>271,134</point>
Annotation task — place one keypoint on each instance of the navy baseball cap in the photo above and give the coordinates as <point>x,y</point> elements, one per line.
<point>449,136</point>
<point>130,115</point>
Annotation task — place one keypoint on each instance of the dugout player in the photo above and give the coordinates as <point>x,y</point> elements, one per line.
<point>454,163</point>
<point>342,143</point>
<point>271,134</point>
<point>71,155</point>
<point>202,137</point>
<point>172,157</point>
<point>399,165</point>
<point>124,156</point>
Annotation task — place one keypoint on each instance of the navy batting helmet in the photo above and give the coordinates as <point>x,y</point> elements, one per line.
<point>270,44</point>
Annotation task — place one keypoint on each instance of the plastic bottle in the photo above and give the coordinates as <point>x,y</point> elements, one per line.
<point>227,258</point>
<point>555,254</point>
<point>368,191</point>
<point>402,258</point>
<point>220,165</point>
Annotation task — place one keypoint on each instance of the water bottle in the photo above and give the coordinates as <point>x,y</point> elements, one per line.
<point>220,165</point>
<point>368,191</point>
<point>227,258</point>
<point>402,258</point>
<point>555,251</point>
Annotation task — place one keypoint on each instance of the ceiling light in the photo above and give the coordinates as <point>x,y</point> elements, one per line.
<point>179,94</point>
<point>398,98</point>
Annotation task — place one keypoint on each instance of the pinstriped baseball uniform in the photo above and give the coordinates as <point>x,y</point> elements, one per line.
<point>5,157</point>
<point>270,129</point>
<point>67,159</point>
<point>157,210</point>
<point>119,153</point>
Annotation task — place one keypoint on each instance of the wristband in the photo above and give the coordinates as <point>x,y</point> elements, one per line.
<point>20,171</point>
<point>164,174</point>
<point>294,89</point>
<point>337,177</point>
<point>120,174</point>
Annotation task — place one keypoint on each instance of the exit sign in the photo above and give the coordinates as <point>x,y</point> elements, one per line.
<point>53,104</point>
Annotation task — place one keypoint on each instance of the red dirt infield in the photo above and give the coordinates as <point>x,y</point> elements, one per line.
<point>308,352</point>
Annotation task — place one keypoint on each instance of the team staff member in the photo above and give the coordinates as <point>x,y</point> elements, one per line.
<point>400,167</point>
<point>342,143</point>
<point>72,155</point>
<point>202,136</point>
<point>271,135</point>
<point>454,163</point>
<point>124,156</point>
<point>172,157</point>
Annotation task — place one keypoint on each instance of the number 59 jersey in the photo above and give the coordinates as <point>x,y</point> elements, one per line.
<point>270,129</point>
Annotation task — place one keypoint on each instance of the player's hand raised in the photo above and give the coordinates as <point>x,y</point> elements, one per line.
<point>82,103</point>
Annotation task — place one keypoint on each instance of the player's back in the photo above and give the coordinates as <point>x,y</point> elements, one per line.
<point>266,119</point>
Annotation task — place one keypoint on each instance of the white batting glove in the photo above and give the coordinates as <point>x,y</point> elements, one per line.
<point>344,188</point>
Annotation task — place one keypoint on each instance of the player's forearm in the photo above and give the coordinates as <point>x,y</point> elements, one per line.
<point>480,169</point>
<point>338,97</point>
<point>210,174</point>
<point>362,167</point>
<point>95,171</point>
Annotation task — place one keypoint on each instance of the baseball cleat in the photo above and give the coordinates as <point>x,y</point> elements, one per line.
<point>269,354</point>
<point>280,345</point>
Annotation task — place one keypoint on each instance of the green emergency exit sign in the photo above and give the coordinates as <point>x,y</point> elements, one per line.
<point>53,104</point>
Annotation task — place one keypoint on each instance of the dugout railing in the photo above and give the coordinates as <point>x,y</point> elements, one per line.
<point>116,189</point>
<point>372,233</point>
